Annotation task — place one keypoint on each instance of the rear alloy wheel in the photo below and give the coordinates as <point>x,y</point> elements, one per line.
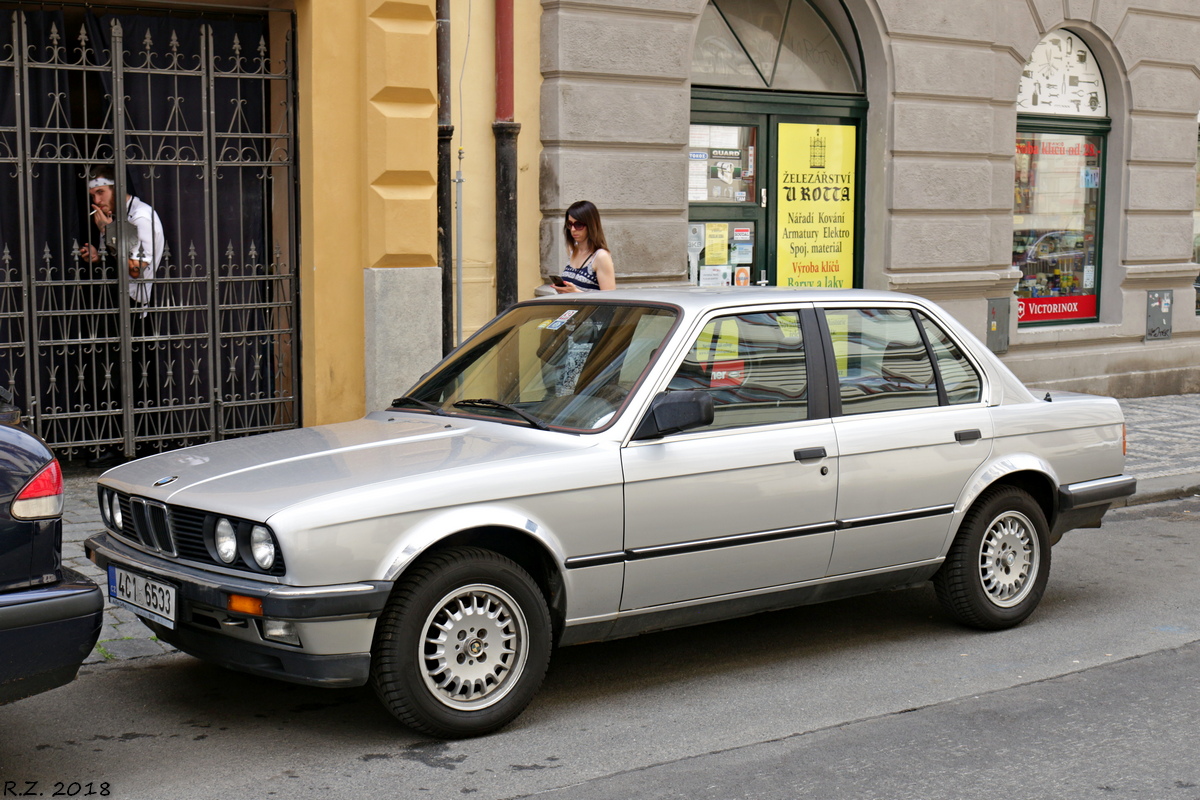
<point>462,645</point>
<point>997,567</point>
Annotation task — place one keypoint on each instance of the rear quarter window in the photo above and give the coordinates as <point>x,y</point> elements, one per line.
<point>959,376</point>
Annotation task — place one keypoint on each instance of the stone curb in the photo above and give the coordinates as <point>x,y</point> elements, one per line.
<point>1168,487</point>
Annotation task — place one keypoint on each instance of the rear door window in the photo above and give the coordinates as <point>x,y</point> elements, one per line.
<point>888,359</point>
<point>881,358</point>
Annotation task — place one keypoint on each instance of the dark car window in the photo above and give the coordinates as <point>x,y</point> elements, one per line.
<point>752,365</point>
<point>958,374</point>
<point>882,362</point>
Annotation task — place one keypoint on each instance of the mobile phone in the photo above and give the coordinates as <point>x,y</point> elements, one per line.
<point>557,280</point>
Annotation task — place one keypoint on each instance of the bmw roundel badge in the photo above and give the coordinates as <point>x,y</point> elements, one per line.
<point>166,480</point>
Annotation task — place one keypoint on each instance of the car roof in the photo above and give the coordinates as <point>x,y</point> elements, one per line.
<point>696,299</point>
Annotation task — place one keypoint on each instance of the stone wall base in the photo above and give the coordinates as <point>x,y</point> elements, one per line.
<point>1132,370</point>
<point>402,329</point>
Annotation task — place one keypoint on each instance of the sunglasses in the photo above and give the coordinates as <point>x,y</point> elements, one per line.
<point>576,225</point>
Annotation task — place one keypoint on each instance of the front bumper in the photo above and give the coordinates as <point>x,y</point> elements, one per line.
<point>46,633</point>
<point>338,617</point>
<point>285,664</point>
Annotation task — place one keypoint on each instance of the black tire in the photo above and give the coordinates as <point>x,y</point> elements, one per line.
<point>494,623</point>
<point>997,567</point>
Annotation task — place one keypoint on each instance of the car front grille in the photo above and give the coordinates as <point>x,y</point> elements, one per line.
<point>176,532</point>
<point>146,522</point>
<point>187,525</point>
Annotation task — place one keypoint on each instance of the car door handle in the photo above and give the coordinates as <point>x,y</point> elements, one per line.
<point>809,453</point>
<point>967,436</point>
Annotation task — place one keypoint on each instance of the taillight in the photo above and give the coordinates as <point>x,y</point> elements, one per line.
<point>1124,445</point>
<point>43,496</point>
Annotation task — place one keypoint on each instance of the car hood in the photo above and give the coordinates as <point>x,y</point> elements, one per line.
<point>257,476</point>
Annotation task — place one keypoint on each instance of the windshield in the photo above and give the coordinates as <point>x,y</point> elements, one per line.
<point>565,365</point>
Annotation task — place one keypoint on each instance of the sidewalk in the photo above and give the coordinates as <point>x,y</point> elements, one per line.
<point>1164,456</point>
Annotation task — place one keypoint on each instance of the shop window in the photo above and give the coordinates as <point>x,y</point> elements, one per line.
<point>721,166</point>
<point>1058,197</point>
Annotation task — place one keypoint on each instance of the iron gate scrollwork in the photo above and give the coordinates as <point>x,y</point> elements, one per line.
<point>148,338</point>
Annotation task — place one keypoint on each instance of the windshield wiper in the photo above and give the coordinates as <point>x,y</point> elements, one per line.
<point>487,402</point>
<point>408,400</point>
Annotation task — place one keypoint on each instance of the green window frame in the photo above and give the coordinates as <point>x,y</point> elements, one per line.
<point>765,110</point>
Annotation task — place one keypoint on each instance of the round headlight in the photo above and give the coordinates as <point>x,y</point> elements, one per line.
<point>262,547</point>
<point>114,505</point>
<point>225,540</point>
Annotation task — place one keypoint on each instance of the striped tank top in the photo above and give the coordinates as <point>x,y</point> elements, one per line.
<point>584,277</point>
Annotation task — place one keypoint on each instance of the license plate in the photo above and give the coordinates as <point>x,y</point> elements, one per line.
<point>142,595</point>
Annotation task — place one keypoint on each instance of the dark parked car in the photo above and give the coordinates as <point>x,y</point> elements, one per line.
<point>49,616</point>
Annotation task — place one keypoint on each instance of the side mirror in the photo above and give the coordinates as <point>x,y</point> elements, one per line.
<point>672,412</point>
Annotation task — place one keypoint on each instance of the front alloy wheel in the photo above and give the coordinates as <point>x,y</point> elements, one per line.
<point>996,570</point>
<point>476,646</point>
<point>462,645</point>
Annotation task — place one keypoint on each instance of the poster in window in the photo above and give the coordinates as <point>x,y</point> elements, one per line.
<point>815,201</point>
<point>716,244</point>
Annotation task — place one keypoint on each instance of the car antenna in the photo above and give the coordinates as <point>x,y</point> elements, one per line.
<point>1048,398</point>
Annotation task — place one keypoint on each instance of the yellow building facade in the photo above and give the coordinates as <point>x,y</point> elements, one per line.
<point>371,311</point>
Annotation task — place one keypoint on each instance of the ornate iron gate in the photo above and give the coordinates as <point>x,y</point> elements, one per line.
<point>191,337</point>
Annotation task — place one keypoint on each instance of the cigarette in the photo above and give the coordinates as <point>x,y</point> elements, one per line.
<point>93,211</point>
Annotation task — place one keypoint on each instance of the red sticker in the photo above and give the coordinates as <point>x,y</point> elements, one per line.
<point>727,373</point>
<point>1050,309</point>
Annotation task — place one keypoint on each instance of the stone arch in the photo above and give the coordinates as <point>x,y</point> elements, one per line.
<point>1062,78</point>
<point>779,67</point>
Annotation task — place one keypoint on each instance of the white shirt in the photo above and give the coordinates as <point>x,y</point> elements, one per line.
<point>149,248</point>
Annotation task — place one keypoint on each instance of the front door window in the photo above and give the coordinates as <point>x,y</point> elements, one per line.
<point>752,365</point>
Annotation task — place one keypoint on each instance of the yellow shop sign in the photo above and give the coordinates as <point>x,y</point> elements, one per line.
<point>815,200</point>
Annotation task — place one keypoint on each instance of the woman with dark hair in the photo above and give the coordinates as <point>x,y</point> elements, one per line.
<point>591,266</point>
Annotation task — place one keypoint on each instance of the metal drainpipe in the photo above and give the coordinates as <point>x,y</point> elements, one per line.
<point>505,131</point>
<point>444,203</point>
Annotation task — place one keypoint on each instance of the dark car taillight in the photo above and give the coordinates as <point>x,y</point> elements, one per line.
<point>42,497</point>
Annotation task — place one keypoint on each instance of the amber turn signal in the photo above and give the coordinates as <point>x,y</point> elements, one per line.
<point>244,605</point>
